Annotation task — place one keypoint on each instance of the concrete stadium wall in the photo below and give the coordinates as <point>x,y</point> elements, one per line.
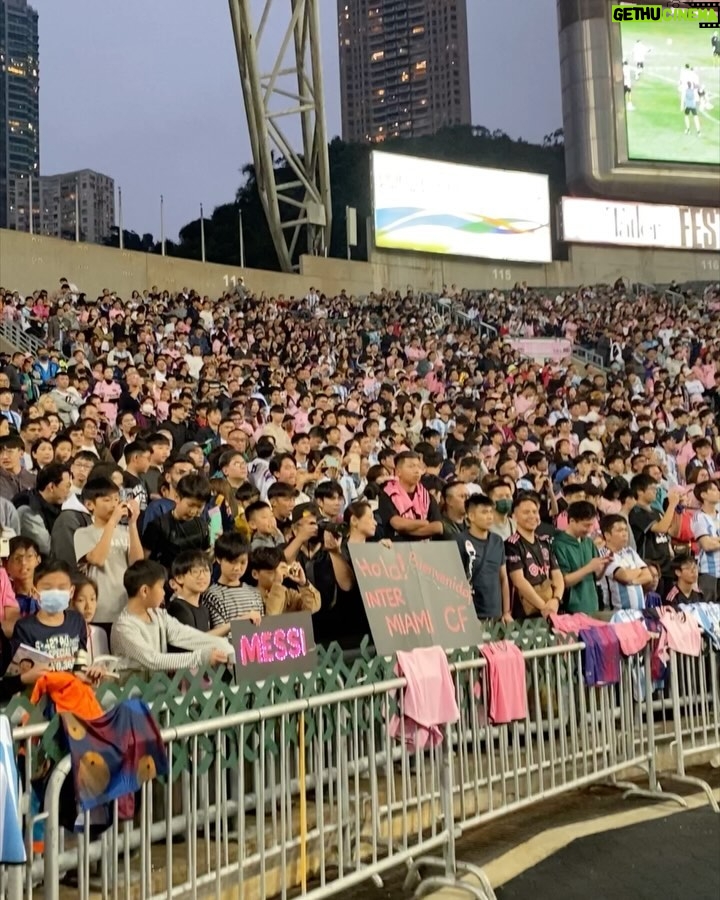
<point>29,262</point>
<point>587,265</point>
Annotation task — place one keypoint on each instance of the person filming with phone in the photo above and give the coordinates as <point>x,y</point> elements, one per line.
<point>341,616</point>
<point>105,548</point>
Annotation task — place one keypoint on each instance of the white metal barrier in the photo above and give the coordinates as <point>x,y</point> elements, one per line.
<point>695,692</point>
<point>315,792</point>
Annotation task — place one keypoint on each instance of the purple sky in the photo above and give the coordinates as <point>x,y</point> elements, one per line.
<point>148,92</point>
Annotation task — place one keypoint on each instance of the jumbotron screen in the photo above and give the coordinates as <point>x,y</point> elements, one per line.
<point>430,206</point>
<point>671,83</point>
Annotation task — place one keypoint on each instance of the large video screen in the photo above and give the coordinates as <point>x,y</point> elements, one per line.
<point>671,84</point>
<point>437,207</point>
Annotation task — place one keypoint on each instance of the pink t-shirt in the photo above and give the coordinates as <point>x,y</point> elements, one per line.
<point>683,631</point>
<point>7,594</point>
<point>108,393</point>
<point>506,682</point>
<point>429,699</point>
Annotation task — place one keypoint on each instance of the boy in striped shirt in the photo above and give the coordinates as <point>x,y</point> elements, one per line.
<point>229,598</point>
<point>626,573</point>
<point>706,531</point>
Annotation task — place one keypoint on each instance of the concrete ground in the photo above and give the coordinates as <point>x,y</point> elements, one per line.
<point>576,847</point>
<point>675,857</point>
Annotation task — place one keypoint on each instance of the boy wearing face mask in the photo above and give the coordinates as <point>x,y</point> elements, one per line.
<point>55,629</point>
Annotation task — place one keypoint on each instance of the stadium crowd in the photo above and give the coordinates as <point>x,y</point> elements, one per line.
<point>172,462</point>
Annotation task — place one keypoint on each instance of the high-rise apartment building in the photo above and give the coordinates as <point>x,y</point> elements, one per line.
<point>19,84</point>
<point>404,68</point>
<point>59,201</point>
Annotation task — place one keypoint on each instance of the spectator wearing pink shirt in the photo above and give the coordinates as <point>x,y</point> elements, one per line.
<point>687,451</point>
<point>434,385</point>
<point>414,351</point>
<point>109,391</point>
<point>302,420</point>
<point>526,400</point>
<point>705,374</point>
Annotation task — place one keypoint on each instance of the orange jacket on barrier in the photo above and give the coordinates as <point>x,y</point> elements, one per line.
<point>68,693</point>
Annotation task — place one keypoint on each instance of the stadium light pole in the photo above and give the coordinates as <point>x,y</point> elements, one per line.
<point>162,224</point>
<point>242,240</point>
<point>202,234</point>
<point>121,236</point>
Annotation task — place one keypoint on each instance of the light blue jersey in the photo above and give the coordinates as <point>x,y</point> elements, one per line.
<point>706,525</point>
<point>625,596</point>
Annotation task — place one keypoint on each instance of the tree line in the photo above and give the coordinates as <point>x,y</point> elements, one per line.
<point>350,184</point>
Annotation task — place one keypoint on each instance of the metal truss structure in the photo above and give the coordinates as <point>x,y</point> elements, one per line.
<point>290,94</point>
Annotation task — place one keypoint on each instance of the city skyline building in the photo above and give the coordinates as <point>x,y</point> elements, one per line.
<point>404,67</point>
<point>19,97</point>
<point>60,201</point>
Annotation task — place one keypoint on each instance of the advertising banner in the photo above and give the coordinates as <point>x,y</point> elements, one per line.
<point>437,207</point>
<point>640,224</point>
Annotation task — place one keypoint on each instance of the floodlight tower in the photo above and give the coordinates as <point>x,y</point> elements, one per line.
<point>282,91</point>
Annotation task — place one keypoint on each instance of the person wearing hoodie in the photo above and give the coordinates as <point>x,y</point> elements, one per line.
<point>39,508</point>
<point>76,515</point>
<point>578,559</point>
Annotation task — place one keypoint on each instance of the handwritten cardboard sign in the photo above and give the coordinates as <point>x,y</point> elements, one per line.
<point>279,645</point>
<point>416,595</point>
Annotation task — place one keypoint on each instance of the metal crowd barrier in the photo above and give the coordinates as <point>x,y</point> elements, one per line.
<point>695,693</point>
<point>588,357</point>
<point>639,287</point>
<point>574,736</point>
<point>315,792</point>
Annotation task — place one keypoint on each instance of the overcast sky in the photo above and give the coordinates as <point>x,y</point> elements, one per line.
<point>148,92</point>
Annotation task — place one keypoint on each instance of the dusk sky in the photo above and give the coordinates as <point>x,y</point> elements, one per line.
<point>149,93</point>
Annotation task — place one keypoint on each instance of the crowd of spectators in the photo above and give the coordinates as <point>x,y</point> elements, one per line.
<point>171,463</point>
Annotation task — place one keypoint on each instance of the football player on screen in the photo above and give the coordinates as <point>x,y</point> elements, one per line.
<point>640,51</point>
<point>688,75</point>
<point>690,102</point>
<point>627,81</point>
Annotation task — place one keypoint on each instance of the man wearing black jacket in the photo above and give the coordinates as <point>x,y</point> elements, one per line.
<point>39,509</point>
<point>177,426</point>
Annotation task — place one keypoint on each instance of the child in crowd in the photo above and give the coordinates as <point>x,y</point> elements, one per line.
<point>189,579</point>
<point>269,569</point>
<point>229,598</point>
<point>246,494</point>
<point>263,526</point>
<point>144,633</point>
<point>183,527</point>
<point>56,630</point>
<point>106,548</point>
<point>24,558</point>
<point>84,601</point>
<point>652,596</point>
<point>685,588</point>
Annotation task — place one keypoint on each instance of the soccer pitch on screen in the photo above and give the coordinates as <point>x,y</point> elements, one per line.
<point>656,123</point>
